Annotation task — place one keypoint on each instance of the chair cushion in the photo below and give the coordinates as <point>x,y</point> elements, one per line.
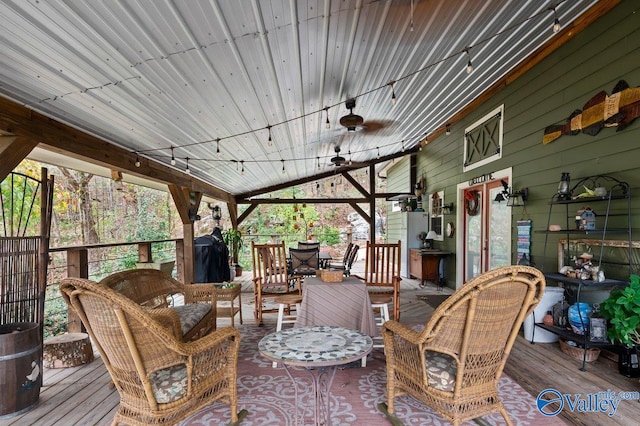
<point>441,370</point>
<point>191,314</point>
<point>169,384</point>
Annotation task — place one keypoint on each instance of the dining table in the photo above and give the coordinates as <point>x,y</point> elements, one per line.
<point>342,304</point>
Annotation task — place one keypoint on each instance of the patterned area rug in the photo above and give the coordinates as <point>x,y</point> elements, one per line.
<point>268,395</point>
<point>433,300</point>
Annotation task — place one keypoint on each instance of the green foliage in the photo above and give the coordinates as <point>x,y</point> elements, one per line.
<point>20,203</point>
<point>331,236</point>
<point>622,309</point>
<point>233,239</point>
<point>55,313</point>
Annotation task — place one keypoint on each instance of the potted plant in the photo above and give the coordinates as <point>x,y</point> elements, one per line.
<point>233,239</point>
<point>622,310</point>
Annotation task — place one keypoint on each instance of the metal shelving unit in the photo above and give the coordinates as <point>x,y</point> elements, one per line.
<point>618,191</point>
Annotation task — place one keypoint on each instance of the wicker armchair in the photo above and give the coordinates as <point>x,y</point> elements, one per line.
<point>152,289</point>
<point>453,365</point>
<point>161,380</point>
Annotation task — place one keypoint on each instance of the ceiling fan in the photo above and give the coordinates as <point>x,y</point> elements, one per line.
<point>340,161</point>
<point>354,122</point>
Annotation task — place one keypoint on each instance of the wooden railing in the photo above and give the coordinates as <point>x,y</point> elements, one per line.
<point>94,261</point>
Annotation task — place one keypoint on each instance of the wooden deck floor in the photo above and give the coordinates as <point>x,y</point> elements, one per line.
<point>83,395</point>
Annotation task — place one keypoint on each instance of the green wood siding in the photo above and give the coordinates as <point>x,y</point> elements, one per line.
<point>398,180</point>
<point>594,60</point>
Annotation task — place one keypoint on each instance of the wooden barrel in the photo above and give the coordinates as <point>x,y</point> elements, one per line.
<point>20,367</point>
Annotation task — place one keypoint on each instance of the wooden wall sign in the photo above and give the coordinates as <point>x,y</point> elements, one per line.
<point>618,110</point>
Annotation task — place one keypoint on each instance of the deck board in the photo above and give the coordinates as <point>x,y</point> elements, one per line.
<point>82,395</point>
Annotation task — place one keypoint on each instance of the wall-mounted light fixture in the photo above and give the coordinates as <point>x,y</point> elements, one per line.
<point>518,198</point>
<point>216,213</point>
<point>447,208</point>
<point>513,198</point>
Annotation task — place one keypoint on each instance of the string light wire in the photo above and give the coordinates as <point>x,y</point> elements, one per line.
<point>469,69</point>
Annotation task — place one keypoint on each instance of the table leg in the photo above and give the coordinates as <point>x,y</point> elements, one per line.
<point>321,380</point>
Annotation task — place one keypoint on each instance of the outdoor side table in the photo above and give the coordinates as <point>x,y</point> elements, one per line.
<point>229,294</point>
<point>319,350</point>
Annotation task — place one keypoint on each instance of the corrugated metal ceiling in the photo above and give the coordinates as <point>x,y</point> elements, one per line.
<point>149,75</point>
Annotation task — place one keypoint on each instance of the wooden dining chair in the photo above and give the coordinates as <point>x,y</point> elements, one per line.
<point>382,274</point>
<point>271,275</point>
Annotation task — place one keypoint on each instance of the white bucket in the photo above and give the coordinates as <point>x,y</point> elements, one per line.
<point>551,296</point>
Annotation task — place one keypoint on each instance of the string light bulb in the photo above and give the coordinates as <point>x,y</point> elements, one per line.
<point>318,160</point>
<point>137,163</point>
<point>556,22</point>
<point>448,130</point>
<point>242,171</point>
<point>269,141</point>
<point>218,147</point>
<point>173,159</point>
<point>411,27</point>
<point>327,125</point>
<point>378,148</point>
<point>350,162</point>
<point>402,145</point>
<point>187,170</point>
<point>469,64</point>
<point>283,170</point>
<point>393,94</point>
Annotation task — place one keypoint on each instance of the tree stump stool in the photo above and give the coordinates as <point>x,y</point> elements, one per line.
<point>67,350</point>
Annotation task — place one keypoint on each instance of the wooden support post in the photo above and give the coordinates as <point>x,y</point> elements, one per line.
<point>187,202</point>
<point>144,253</point>
<point>188,253</point>
<point>372,203</point>
<point>180,263</point>
<point>77,266</point>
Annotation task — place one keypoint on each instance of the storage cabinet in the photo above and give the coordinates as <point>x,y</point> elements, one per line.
<point>612,206</point>
<point>425,265</point>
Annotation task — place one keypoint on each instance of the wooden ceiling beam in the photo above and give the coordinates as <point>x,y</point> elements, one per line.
<point>243,198</point>
<point>356,184</point>
<point>187,202</point>
<point>12,151</point>
<point>33,128</point>
<point>258,201</point>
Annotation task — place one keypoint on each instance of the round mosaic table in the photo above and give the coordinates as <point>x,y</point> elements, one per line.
<point>319,350</point>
